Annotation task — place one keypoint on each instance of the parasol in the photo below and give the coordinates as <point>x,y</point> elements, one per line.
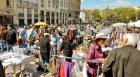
<point>132,24</point>
<point>40,24</point>
<point>106,31</point>
<point>137,24</point>
<point>119,24</point>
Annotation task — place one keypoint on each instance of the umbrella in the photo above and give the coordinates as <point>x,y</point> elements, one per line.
<point>119,24</point>
<point>106,31</point>
<point>40,24</point>
<point>132,24</point>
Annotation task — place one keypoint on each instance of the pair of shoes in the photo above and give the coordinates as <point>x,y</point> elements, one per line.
<point>46,71</point>
<point>40,68</point>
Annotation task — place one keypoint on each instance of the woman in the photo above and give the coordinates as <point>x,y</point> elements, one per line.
<point>66,48</point>
<point>70,35</point>
<point>21,48</point>
<point>95,53</point>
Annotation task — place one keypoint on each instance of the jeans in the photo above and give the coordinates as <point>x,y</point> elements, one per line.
<point>1,47</point>
<point>9,48</point>
<point>45,60</point>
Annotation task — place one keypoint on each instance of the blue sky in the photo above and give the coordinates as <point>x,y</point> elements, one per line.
<point>101,4</point>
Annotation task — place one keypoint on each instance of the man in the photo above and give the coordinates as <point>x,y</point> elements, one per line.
<point>124,61</point>
<point>55,42</point>
<point>32,35</point>
<point>2,73</point>
<point>2,38</point>
<point>23,33</point>
<point>45,49</point>
<point>11,38</point>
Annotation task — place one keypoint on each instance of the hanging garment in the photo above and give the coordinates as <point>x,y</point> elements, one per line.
<point>84,70</point>
<point>65,68</point>
<point>68,66</point>
<point>62,73</point>
<point>75,71</point>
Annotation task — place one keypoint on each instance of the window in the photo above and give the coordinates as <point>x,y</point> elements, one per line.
<point>53,3</point>
<point>42,3</point>
<point>49,3</point>
<point>42,13</point>
<point>29,11</point>
<point>7,2</point>
<point>57,3</point>
<point>36,11</point>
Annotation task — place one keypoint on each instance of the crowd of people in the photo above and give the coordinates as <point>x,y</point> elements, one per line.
<point>51,40</point>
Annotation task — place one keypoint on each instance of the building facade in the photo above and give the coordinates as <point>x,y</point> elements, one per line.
<point>73,9</point>
<point>50,11</point>
<point>30,11</point>
<point>6,12</point>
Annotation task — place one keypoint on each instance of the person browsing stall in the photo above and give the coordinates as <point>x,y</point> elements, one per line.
<point>95,53</point>
<point>124,61</point>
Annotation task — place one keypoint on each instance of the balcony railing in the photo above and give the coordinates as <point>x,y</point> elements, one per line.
<point>35,15</point>
<point>26,4</point>
<point>29,15</point>
<point>34,5</point>
<point>21,14</point>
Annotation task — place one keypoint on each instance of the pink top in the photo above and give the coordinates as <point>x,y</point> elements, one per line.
<point>94,52</point>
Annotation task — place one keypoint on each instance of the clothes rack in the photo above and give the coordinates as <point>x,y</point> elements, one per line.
<point>84,60</point>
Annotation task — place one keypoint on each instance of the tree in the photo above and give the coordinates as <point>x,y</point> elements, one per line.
<point>138,14</point>
<point>119,14</point>
<point>124,14</point>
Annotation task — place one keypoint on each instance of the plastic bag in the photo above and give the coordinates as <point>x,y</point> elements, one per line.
<point>84,70</point>
<point>75,71</point>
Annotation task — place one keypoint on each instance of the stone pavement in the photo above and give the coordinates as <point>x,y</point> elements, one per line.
<point>38,74</point>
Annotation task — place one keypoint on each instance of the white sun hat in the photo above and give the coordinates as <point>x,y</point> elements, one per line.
<point>100,35</point>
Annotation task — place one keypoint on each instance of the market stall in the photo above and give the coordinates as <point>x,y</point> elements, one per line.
<point>15,60</point>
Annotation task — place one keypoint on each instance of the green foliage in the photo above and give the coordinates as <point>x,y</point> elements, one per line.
<point>124,14</point>
<point>120,14</point>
